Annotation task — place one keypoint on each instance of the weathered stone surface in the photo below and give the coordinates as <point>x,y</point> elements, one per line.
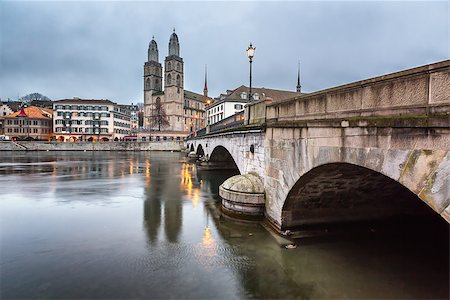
<point>247,183</point>
<point>346,100</point>
<point>399,92</point>
<point>419,167</point>
<point>440,87</point>
<point>243,194</point>
<point>437,189</point>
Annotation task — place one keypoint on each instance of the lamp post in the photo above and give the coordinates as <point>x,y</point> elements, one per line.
<point>250,54</point>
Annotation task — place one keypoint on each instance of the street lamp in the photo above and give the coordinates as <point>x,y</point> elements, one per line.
<point>250,54</point>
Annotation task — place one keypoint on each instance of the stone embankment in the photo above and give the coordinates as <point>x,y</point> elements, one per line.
<point>89,146</point>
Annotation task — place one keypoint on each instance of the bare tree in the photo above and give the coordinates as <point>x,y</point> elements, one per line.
<point>35,96</point>
<point>158,118</point>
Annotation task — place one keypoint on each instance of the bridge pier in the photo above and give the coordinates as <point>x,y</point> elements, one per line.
<point>243,196</point>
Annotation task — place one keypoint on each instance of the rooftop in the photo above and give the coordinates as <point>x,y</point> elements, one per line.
<point>84,101</point>
<point>33,112</point>
<point>276,95</point>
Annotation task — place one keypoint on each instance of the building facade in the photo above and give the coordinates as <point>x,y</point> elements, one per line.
<point>183,111</point>
<point>90,120</point>
<point>7,108</point>
<point>134,110</point>
<point>30,123</point>
<point>233,101</point>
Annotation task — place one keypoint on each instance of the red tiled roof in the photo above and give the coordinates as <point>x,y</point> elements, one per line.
<point>33,112</point>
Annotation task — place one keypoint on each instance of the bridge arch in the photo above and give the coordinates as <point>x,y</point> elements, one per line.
<point>220,154</point>
<point>200,151</point>
<point>344,192</point>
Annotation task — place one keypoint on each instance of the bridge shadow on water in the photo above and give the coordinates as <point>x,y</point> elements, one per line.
<point>392,246</point>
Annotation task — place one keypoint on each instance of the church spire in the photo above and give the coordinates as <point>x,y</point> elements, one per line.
<point>205,89</point>
<point>299,87</point>
<point>153,51</point>
<point>174,45</point>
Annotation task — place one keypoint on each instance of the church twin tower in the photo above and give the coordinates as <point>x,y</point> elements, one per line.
<point>173,79</point>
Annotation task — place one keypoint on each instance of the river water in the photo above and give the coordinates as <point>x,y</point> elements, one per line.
<point>147,225</point>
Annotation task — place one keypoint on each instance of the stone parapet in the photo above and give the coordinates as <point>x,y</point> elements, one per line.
<point>417,91</point>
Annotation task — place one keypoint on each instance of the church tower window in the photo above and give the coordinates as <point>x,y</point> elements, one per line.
<point>169,79</point>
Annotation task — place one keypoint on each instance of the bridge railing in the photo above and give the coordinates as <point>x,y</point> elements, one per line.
<point>420,91</point>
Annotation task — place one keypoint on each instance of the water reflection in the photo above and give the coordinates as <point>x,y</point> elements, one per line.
<point>165,237</point>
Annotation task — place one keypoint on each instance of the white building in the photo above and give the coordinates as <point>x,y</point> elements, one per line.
<point>90,120</point>
<point>234,101</point>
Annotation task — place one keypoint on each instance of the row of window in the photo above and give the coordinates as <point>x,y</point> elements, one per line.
<point>82,114</point>
<point>80,122</point>
<point>194,113</point>
<point>215,118</point>
<point>81,130</point>
<point>219,108</point>
<point>121,131</point>
<point>255,96</point>
<point>215,109</point>
<point>27,122</point>
<point>120,124</point>
<point>116,116</point>
<point>81,107</point>
<point>196,105</point>
<point>164,138</point>
<point>169,66</point>
<point>28,130</point>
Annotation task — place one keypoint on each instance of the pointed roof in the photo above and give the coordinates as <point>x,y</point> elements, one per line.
<point>205,88</point>
<point>173,37</point>
<point>174,45</point>
<point>299,87</point>
<point>153,42</point>
<point>22,113</point>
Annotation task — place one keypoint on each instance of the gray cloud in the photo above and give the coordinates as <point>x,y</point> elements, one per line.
<point>97,50</point>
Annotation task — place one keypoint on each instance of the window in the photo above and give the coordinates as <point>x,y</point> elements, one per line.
<point>256,96</point>
<point>238,106</point>
<point>243,95</point>
<point>169,79</point>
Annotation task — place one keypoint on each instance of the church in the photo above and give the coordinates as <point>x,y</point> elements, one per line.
<point>170,112</point>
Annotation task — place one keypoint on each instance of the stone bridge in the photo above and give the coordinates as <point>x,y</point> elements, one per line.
<point>360,151</point>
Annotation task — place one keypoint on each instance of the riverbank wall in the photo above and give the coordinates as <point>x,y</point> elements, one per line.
<point>92,146</point>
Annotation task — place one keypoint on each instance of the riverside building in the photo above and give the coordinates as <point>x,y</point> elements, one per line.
<point>90,120</point>
<point>29,123</point>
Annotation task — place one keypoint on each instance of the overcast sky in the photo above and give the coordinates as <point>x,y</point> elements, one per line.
<point>97,50</point>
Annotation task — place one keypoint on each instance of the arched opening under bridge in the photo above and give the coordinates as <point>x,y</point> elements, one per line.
<point>342,192</point>
<point>200,152</point>
<point>368,220</point>
<point>222,158</point>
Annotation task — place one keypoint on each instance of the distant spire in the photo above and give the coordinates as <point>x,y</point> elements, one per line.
<point>174,30</point>
<point>299,87</point>
<point>205,89</point>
